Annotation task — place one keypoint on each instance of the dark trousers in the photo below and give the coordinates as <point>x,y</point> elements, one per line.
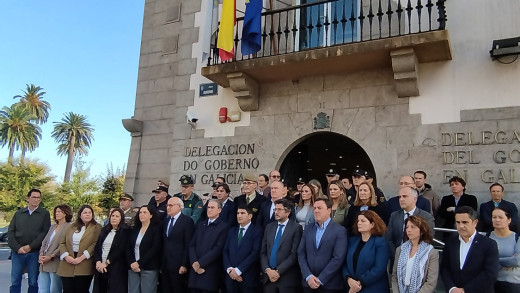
<point>276,288</point>
<point>321,290</point>
<point>238,287</point>
<point>173,282</point>
<point>202,291</point>
<point>506,287</point>
<point>77,284</point>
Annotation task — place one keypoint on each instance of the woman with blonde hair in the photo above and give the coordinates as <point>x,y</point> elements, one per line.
<point>316,185</point>
<point>416,266</point>
<point>365,200</point>
<point>338,197</point>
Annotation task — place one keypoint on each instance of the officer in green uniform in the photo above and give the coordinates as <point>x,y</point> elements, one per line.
<point>192,202</point>
<point>125,203</point>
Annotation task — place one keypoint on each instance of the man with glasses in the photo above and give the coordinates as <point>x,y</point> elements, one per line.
<point>26,232</point>
<point>408,181</point>
<point>178,231</point>
<point>251,198</point>
<point>274,175</point>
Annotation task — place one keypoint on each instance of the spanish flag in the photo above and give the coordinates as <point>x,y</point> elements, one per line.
<point>226,30</point>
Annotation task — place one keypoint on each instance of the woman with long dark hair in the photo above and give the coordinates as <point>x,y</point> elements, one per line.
<point>76,267</point>
<point>416,266</point>
<point>48,280</point>
<point>305,207</point>
<point>508,279</point>
<point>110,255</point>
<point>143,252</point>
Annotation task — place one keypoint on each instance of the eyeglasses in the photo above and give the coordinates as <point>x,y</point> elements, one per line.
<point>276,176</point>
<point>35,197</point>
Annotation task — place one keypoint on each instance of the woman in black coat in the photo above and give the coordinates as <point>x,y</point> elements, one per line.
<point>110,256</point>
<point>143,252</point>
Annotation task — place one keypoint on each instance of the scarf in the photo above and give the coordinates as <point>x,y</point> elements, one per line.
<point>421,257</point>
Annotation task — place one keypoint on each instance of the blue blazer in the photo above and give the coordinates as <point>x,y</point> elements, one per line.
<point>480,269</point>
<point>228,214</point>
<point>371,265</point>
<point>486,209</point>
<point>245,256</point>
<point>326,261</point>
<point>206,247</point>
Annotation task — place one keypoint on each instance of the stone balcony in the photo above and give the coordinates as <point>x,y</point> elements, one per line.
<point>400,45</point>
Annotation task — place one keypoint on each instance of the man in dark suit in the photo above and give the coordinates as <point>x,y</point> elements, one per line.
<point>280,264</point>
<point>395,231</point>
<point>408,181</point>
<point>322,251</point>
<point>250,198</point>
<point>266,213</point>
<point>497,194</point>
<point>205,251</point>
<point>469,260</point>
<point>457,199</point>
<point>241,254</point>
<point>229,209</point>
<point>178,232</point>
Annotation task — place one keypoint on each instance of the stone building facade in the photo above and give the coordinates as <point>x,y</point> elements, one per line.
<point>464,119</point>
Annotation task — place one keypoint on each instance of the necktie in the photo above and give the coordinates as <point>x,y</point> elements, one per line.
<point>240,235</point>
<point>247,199</point>
<point>272,259</point>
<point>404,227</point>
<point>170,226</point>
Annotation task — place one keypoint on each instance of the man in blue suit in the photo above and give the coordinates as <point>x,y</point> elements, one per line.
<point>497,194</point>
<point>322,252</point>
<point>241,254</point>
<point>205,251</point>
<point>279,252</point>
<point>469,260</point>
<point>229,208</point>
<point>178,231</point>
<point>266,214</point>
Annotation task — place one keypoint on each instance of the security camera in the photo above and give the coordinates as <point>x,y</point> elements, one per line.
<point>191,117</point>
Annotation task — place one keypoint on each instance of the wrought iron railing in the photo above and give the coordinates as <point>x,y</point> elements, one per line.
<point>335,22</point>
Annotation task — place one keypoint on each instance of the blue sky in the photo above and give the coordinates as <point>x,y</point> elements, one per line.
<point>85,55</point>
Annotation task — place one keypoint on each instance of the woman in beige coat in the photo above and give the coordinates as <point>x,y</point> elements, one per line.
<point>48,280</point>
<point>77,250</point>
<point>416,266</point>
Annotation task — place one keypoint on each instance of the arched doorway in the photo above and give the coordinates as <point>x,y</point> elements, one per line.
<point>312,155</point>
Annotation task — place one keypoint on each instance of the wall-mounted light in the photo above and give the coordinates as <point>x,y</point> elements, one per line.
<point>505,47</point>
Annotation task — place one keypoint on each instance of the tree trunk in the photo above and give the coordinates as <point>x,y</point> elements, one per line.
<point>22,156</point>
<point>70,157</point>
<point>11,154</point>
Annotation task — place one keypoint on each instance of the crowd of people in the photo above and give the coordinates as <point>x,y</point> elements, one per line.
<point>271,239</point>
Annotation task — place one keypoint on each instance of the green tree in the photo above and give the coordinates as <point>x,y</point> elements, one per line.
<point>17,180</point>
<point>111,189</point>
<point>32,99</point>
<point>17,131</point>
<point>74,135</point>
<point>81,189</point>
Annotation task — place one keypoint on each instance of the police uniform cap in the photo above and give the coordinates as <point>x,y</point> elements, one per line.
<point>331,171</point>
<point>186,180</point>
<point>159,189</point>
<point>126,196</point>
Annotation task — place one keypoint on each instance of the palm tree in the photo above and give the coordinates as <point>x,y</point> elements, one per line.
<point>33,100</point>
<point>17,131</point>
<point>74,135</point>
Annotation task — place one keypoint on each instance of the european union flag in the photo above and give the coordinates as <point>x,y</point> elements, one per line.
<point>251,36</point>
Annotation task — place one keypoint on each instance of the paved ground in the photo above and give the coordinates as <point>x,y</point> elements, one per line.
<point>5,272</point>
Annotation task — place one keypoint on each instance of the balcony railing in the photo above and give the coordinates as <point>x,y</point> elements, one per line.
<point>336,22</point>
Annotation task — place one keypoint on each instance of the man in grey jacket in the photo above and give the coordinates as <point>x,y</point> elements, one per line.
<point>426,191</point>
